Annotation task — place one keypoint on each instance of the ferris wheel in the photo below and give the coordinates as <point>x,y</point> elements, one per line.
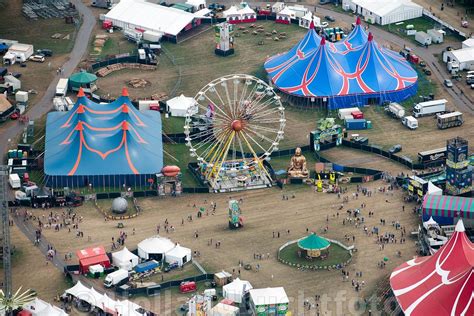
<point>236,124</point>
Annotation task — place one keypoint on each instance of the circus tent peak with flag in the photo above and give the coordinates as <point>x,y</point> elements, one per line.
<point>352,72</point>
<point>441,284</point>
<point>102,144</point>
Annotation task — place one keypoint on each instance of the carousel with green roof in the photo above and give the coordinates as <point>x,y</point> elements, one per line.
<point>315,252</point>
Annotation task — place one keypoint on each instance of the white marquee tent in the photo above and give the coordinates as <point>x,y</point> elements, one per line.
<point>178,254</point>
<point>178,106</point>
<point>236,290</point>
<point>147,16</point>
<point>433,189</point>
<point>124,259</point>
<point>81,292</point>
<point>385,12</point>
<point>38,307</point>
<point>154,248</point>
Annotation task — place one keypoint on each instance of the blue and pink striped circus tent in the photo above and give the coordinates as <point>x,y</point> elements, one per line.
<point>352,72</point>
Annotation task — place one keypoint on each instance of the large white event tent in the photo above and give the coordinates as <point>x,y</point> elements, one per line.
<point>178,254</point>
<point>124,259</point>
<point>154,248</point>
<point>148,16</point>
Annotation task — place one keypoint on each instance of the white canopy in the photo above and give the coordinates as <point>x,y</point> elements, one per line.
<point>178,254</point>
<point>232,11</point>
<point>236,290</point>
<point>203,13</point>
<point>127,308</point>
<point>80,291</point>
<point>224,310</point>
<point>178,106</point>
<point>433,189</point>
<point>95,298</point>
<point>124,259</point>
<point>149,16</point>
<point>430,223</point>
<point>38,307</point>
<point>154,247</point>
<point>268,296</point>
<point>107,304</point>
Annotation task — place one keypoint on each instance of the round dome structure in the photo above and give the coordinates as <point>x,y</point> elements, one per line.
<point>119,205</point>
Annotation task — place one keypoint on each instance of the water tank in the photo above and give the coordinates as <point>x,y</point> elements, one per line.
<point>119,205</point>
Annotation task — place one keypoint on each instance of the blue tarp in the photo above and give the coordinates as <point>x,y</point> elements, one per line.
<point>344,74</point>
<point>3,47</point>
<point>102,144</point>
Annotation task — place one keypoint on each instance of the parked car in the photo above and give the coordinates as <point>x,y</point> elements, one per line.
<point>472,86</point>
<point>45,52</point>
<point>395,149</point>
<point>330,18</point>
<point>448,83</point>
<point>171,266</point>
<point>216,7</point>
<point>427,71</point>
<point>325,1</point>
<point>37,58</point>
<point>422,64</point>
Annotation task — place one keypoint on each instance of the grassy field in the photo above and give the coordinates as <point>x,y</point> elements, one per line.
<point>173,125</point>
<point>115,44</point>
<point>336,255</point>
<point>16,27</point>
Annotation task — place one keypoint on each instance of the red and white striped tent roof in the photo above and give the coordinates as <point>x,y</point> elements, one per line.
<point>442,284</point>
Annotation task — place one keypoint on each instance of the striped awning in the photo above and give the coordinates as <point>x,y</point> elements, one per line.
<point>448,206</point>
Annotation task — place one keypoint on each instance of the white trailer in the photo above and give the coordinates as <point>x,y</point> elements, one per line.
<point>342,113</point>
<point>116,278</point>
<point>423,38</point>
<point>153,37</point>
<point>61,87</point>
<point>395,110</point>
<point>14,181</point>
<point>410,122</point>
<point>429,107</point>
<point>437,36</point>
<point>18,53</point>
<point>133,35</point>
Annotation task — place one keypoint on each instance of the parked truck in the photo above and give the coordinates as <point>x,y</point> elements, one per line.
<point>423,38</point>
<point>116,278</point>
<point>14,181</point>
<point>429,107</point>
<point>396,110</point>
<point>448,120</point>
<point>61,87</point>
<point>410,122</point>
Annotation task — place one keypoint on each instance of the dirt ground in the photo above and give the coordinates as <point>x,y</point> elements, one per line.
<point>30,270</point>
<point>264,212</point>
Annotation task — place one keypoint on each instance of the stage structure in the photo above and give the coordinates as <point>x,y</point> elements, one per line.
<point>458,171</point>
<point>327,133</point>
<point>236,125</point>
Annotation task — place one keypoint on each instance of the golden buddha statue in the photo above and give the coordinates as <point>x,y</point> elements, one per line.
<point>297,167</point>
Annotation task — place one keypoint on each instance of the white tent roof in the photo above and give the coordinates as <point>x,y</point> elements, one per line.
<point>196,3</point>
<point>180,103</point>
<point>464,54</point>
<point>433,189</point>
<point>238,286</point>
<point>179,251</point>
<point>106,303</point>
<point>123,255</point>
<point>382,8</point>
<point>246,10</point>
<point>430,222</point>
<point>224,309</point>
<point>95,298</point>
<point>268,296</point>
<point>127,308</point>
<point>233,10</point>
<point>156,244</point>
<point>38,307</point>
<point>153,17</point>
<point>286,11</point>
<point>79,290</point>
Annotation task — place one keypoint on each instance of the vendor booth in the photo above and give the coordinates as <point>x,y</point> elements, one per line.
<point>154,248</point>
<point>236,290</point>
<point>313,246</point>
<point>179,255</point>
<point>124,259</point>
<point>179,106</point>
<point>269,301</point>
<point>92,256</point>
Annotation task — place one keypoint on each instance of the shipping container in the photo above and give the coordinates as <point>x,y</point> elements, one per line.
<point>356,124</point>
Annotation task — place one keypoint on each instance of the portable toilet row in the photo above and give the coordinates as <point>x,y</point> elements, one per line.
<point>17,153</point>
